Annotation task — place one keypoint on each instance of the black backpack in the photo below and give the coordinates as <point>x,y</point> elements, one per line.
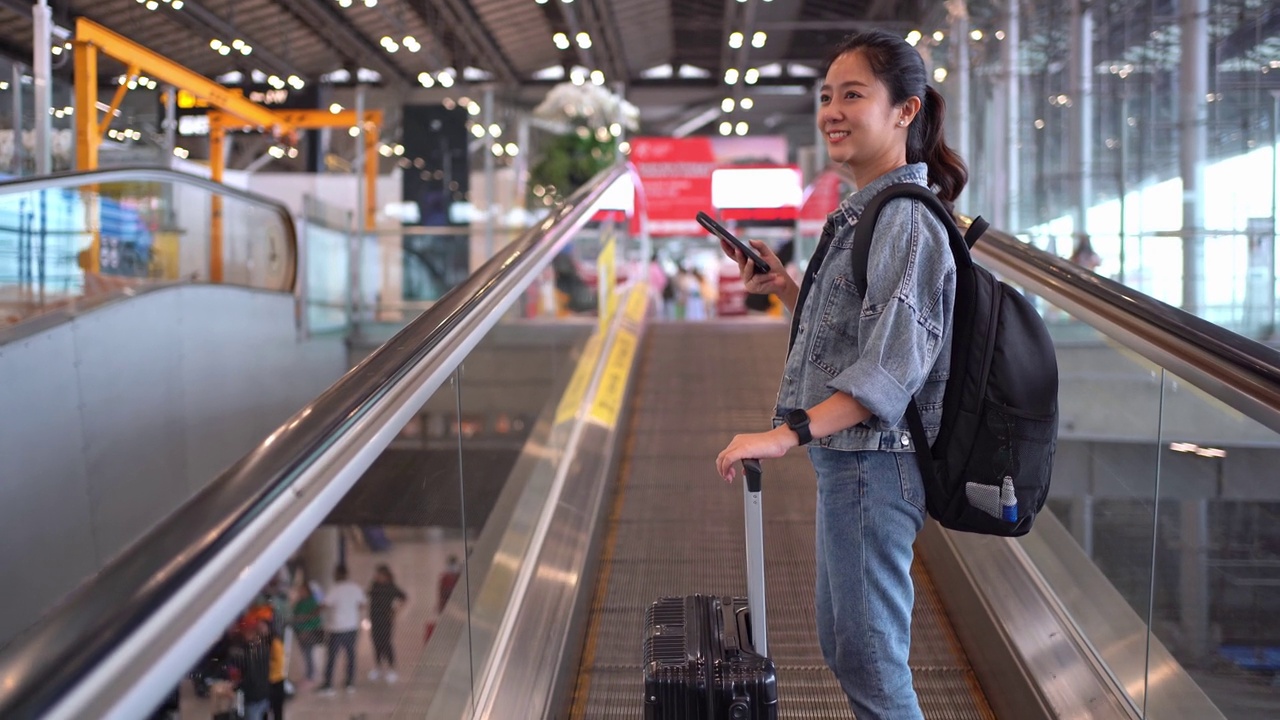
<point>988,471</point>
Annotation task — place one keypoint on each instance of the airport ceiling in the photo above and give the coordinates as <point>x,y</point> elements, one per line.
<point>669,53</point>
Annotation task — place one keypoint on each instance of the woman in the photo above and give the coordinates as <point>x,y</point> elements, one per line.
<point>855,362</point>
<point>308,625</point>
<point>385,598</point>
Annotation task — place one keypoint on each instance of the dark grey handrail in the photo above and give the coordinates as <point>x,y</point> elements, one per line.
<point>148,173</point>
<point>1241,372</point>
<point>57,663</point>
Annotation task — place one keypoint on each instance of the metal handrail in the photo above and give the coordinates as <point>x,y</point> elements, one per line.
<point>1240,372</point>
<point>149,173</point>
<point>122,640</point>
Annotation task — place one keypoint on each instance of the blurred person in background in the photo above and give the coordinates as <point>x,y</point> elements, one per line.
<point>344,605</point>
<point>385,600</point>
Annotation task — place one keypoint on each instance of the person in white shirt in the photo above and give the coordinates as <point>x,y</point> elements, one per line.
<point>344,605</point>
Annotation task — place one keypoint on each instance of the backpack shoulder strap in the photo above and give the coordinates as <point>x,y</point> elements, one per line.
<point>977,226</point>
<point>865,228</point>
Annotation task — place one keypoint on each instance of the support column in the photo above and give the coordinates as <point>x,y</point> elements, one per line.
<point>959,111</point>
<point>1012,119</point>
<point>1082,522</point>
<point>320,554</point>
<point>1080,125</point>
<point>1193,578</point>
<point>18,120</point>
<point>170,119</point>
<point>1193,82</point>
<point>355,250</point>
<point>42,79</point>
<point>88,137</point>
<point>490,181</point>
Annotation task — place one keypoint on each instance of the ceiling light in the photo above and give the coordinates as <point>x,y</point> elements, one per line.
<point>477,130</point>
<point>215,43</point>
<point>354,131</point>
<point>584,40</point>
<point>726,105</point>
<point>731,76</point>
<point>177,4</point>
<point>495,131</point>
<point>939,74</point>
<point>615,129</point>
<point>938,36</point>
<point>735,40</point>
<point>751,76</point>
<point>497,149</point>
<point>913,37</point>
<point>426,79</point>
<point>597,77</point>
<point>473,109</point>
<point>445,79</point>
<point>224,50</point>
<point>741,128</point>
<point>976,34</point>
<point>370,3</point>
<point>237,43</point>
<point>746,104</point>
<point>758,40</point>
<point>512,149</point>
<point>726,127</point>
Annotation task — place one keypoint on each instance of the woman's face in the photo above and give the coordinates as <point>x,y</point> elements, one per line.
<point>862,127</point>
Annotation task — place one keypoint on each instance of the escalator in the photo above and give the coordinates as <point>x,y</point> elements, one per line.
<point>616,468</point>
<point>676,528</point>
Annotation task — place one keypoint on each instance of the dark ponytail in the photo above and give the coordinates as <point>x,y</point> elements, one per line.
<point>901,69</point>
<point>925,143</point>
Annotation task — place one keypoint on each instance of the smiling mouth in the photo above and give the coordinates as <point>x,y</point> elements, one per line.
<point>837,136</point>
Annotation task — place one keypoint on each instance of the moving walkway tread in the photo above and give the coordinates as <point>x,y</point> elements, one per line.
<point>676,529</point>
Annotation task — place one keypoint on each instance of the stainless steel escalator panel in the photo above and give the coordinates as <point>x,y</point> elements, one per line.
<point>676,529</point>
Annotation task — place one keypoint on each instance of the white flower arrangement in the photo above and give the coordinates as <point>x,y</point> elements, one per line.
<point>567,105</point>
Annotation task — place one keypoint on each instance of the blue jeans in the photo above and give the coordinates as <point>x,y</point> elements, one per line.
<point>346,641</point>
<point>257,710</point>
<point>870,509</point>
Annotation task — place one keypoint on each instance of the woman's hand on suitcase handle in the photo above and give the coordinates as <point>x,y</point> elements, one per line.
<point>771,444</point>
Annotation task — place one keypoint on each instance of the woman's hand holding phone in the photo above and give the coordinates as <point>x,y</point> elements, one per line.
<point>776,281</point>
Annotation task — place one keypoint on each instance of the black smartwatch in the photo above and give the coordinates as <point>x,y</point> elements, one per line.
<point>798,421</point>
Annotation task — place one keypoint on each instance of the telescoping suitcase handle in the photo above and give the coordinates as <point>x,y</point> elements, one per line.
<point>755,554</point>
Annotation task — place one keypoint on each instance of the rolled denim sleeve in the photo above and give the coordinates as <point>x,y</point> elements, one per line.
<point>904,316</point>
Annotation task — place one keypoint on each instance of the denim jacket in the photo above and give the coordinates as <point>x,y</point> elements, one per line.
<point>889,346</point>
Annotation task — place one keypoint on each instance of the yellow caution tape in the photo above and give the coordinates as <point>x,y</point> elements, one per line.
<point>637,304</point>
<point>572,397</point>
<point>613,383</point>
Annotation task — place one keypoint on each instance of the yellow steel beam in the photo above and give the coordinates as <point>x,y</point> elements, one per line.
<point>168,71</point>
<point>131,73</point>
<point>86,91</point>
<point>324,119</point>
<point>370,173</point>
<point>217,133</point>
<point>370,128</point>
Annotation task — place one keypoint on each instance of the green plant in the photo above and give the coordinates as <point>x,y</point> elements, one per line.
<point>566,162</point>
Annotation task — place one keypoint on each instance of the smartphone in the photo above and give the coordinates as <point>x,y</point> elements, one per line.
<point>719,231</point>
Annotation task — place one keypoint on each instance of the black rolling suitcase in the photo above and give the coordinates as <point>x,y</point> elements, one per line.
<point>707,658</point>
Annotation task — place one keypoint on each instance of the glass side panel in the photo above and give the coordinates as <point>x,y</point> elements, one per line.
<point>398,536</point>
<point>511,390</point>
<point>143,233</point>
<point>1093,543</point>
<point>1217,558</point>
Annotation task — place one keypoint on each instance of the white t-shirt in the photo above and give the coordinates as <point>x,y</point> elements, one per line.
<point>343,602</point>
